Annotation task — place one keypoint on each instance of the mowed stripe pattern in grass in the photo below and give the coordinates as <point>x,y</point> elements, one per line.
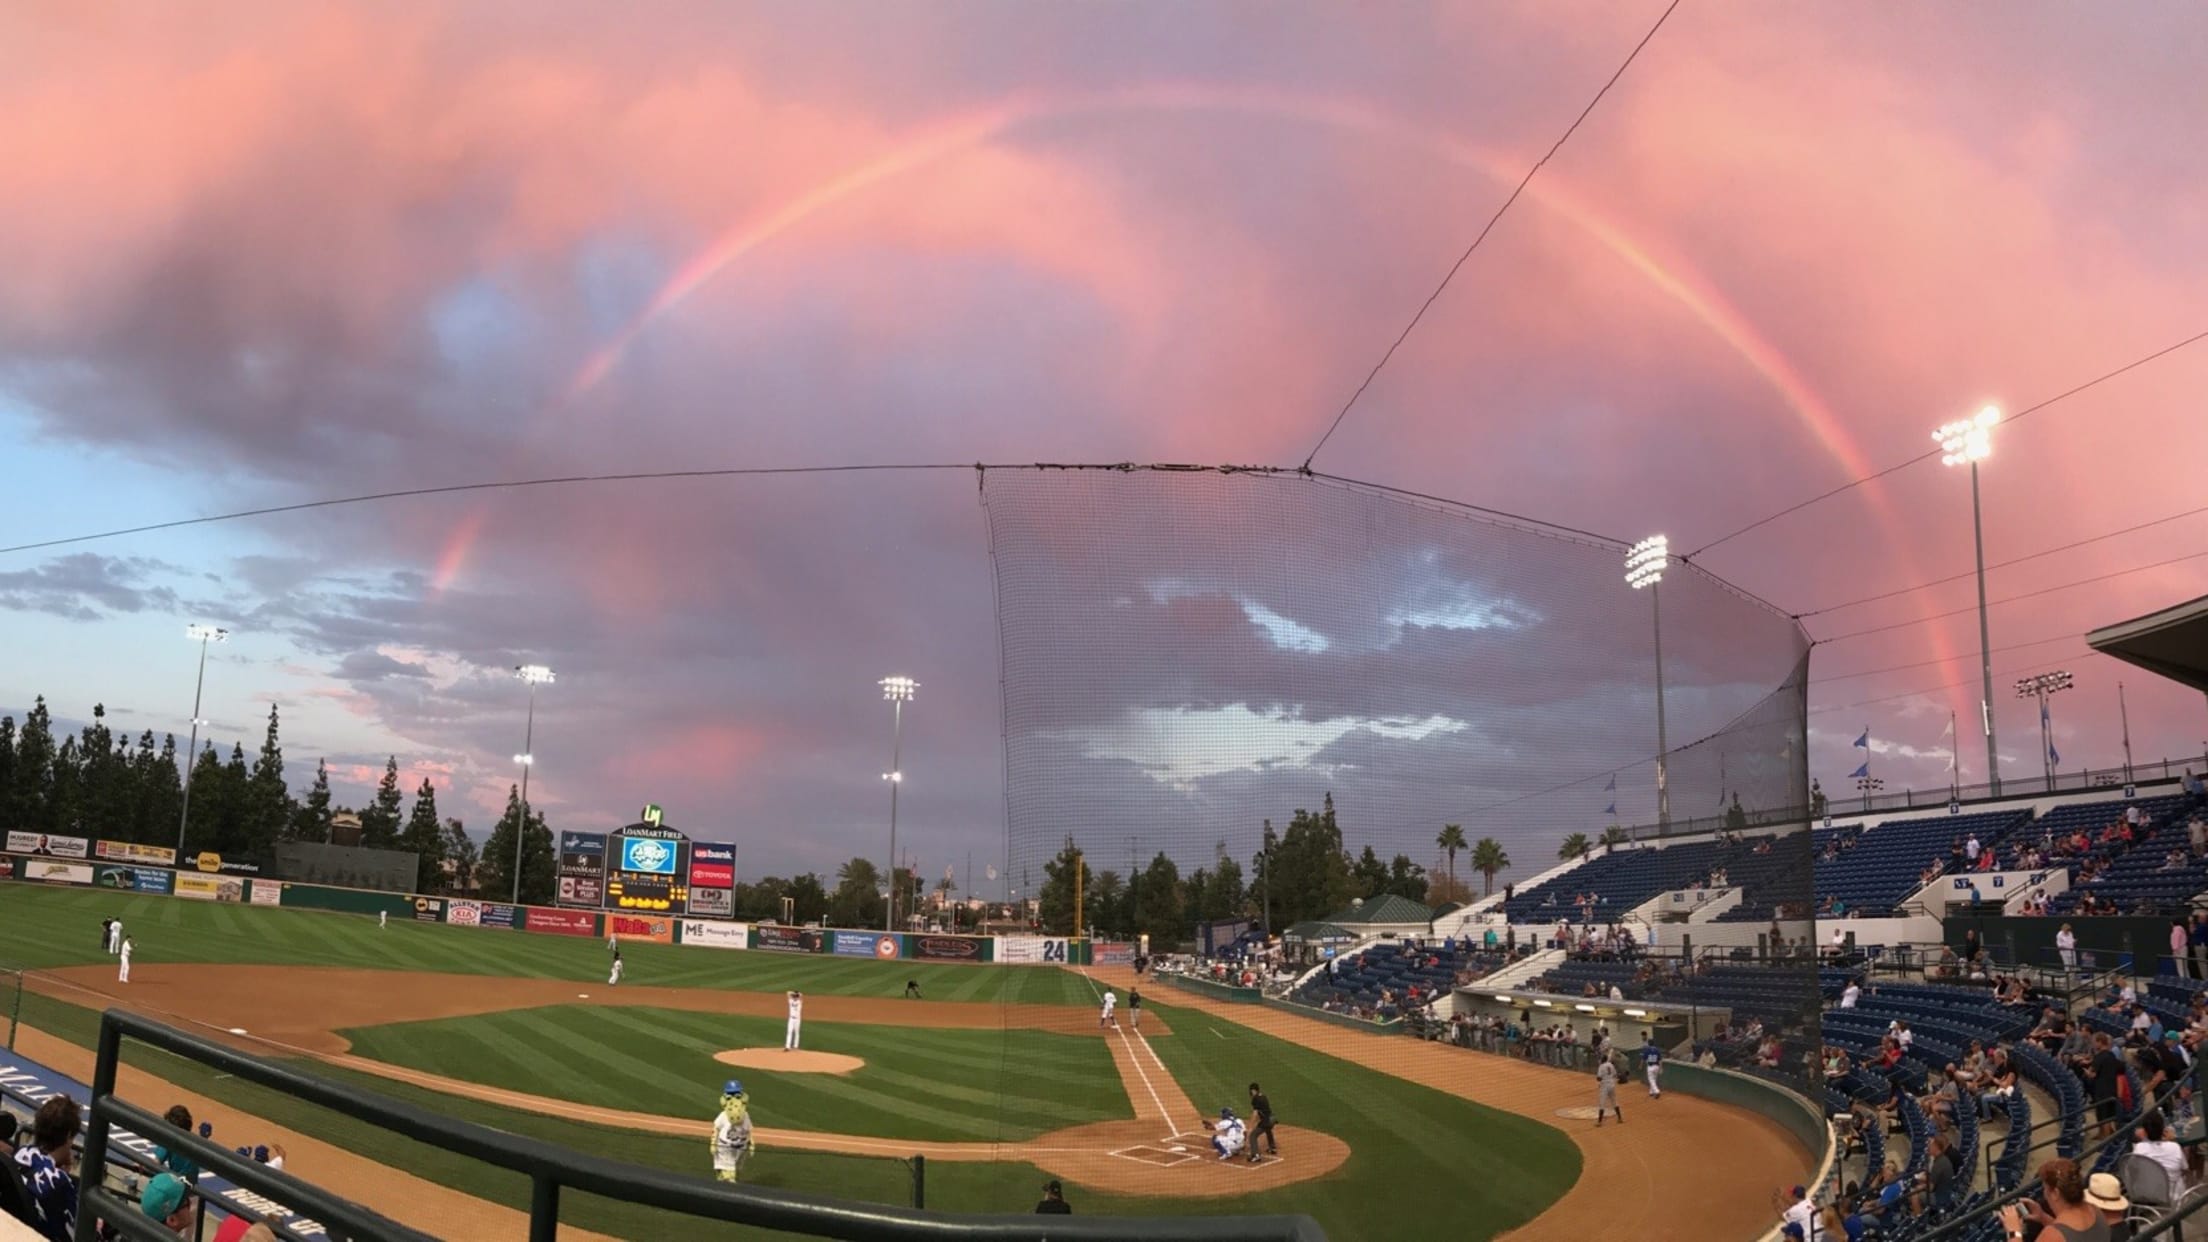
<point>42,926</point>
<point>959,1085</point>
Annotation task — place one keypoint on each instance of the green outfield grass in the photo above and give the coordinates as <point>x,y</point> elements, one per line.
<point>42,926</point>
<point>958,1085</point>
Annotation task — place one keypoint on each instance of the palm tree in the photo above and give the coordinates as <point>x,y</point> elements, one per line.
<point>1614,836</point>
<point>1574,845</point>
<point>1451,840</point>
<point>1487,859</point>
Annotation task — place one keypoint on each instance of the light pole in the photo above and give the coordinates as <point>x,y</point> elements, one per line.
<point>1971,440</point>
<point>1869,785</point>
<point>534,675</point>
<point>2123,711</point>
<point>2039,688</point>
<point>203,635</point>
<point>899,691</point>
<point>1644,567</point>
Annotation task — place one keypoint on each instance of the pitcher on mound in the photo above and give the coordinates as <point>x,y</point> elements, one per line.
<point>797,1017</point>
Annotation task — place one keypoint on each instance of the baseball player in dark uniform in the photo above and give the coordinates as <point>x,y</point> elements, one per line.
<point>1261,1124</point>
<point>1134,1006</point>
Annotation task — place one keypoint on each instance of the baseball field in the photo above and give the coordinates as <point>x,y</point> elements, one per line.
<point>1000,1075</point>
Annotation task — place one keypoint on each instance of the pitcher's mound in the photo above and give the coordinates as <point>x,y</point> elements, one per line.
<point>789,1062</point>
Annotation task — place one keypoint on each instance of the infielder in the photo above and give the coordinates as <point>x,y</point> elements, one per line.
<point>123,951</point>
<point>106,926</point>
<point>614,979</point>
<point>1606,1092</point>
<point>383,919</point>
<point>613,942</point>
<point>1111,1002</point>
<point>1653,1058</point>
<point>731,1132</point>
<point>114,937</point>
<point>1226,1133</point>
<point>797,1018</point>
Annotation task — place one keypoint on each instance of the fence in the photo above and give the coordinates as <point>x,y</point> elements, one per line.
<point>550,1170</point>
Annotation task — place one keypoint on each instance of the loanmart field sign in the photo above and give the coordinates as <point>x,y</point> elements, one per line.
<point>582,871</point>
<point>649,865</point>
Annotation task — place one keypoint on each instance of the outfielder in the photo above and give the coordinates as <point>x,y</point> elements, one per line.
<point>1606,1092</point>
<point>1111,1002</point>
<point>731,1132</point>
<point>614,979</point>
<point>124,953</point>
<point>383,919</point>
<point>797,1018</point>
<point>1226,1133</point>
<point>1653,1058</point>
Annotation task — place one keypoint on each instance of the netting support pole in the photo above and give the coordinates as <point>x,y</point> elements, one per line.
<point>544,1208</point>
<point>919,1182</point>
<point>15,1010</point>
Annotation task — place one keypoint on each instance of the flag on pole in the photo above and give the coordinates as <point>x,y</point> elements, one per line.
<point>1863,771</point>
<point>1611,809</point>
<point>2043,711</point>
<point>1864,742</point>
<point>2053,756</point>
<point>1613,785</point>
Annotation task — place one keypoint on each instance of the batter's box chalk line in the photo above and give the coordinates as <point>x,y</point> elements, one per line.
<point>1579,1114</point>
<point>1155,1157</point>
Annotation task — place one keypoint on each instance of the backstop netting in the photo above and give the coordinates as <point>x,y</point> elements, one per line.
<point>1212,674</point>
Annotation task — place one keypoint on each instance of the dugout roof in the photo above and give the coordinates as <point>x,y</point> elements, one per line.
<point>2172,642</point>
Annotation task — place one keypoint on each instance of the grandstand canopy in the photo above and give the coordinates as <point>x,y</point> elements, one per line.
<point>1388,910</point>
<point>2172,642</point>
<point>1317,931</point>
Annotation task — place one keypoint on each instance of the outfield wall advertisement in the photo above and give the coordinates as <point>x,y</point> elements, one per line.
<point>132,879</point>
<point>428,909</point>
<point>778,939</point>
<point>209,887</point>
<point>1035,950</point>
<point>560,922</point>
<point>949,948</point>
<point>499,914</point>
<point>716,935</point>
<point>50,846</point>
<point>266,892</point>
<point>464,913</point>
<point>48,872</point>
<point>865,944</point>
<point>126,852</point>
<point>640,927</point>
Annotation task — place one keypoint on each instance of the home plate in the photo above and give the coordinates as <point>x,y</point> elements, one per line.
<point>237,1030</point>
<point>1180,1151</point>
<point>582,996</point>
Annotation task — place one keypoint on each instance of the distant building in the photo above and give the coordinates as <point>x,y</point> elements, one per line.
<point>345,828</point>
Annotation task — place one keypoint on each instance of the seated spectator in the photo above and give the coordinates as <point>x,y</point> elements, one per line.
<point>175,1161</point>
<point>164,1199</point>
<point>48,1168</point>
<point>2154,1143</point>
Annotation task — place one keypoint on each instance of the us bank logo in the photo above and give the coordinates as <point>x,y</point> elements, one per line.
<point>655,857</point>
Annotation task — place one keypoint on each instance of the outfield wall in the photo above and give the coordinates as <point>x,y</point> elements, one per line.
<point>58,865</point>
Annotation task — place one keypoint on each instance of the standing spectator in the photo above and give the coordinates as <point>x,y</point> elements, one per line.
<point>2196,937</point>
<point>1054,1200</point>
<point>2181,957</point>
<point>1850,994</point>
<point>2104,1072</point>
<point>2066,944</point>
<point>48,1168</point>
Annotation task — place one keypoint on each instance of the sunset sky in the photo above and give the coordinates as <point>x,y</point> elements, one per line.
<point>260,254</point>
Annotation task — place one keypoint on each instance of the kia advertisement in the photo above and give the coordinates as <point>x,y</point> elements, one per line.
<point>560,922</point>
<point>464,913</point>
<point>785,939</point>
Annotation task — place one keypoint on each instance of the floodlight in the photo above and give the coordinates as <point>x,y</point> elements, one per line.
<point>898,689</point>
<point>1646,562</point>
<point>206,633</point>
<point>534,674</point>
<point>1968,439</point>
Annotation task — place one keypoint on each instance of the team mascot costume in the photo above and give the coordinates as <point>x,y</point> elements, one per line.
<point>731,1132</point>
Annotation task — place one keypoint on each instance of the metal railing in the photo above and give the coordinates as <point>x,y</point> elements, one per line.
<point>550,1169</point>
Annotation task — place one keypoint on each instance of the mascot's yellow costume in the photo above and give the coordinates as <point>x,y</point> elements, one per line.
<point>731,1132</point>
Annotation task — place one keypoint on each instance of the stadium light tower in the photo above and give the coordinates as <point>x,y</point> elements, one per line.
<point>204,635</point>
<point>899,691</point>
<point>2039,688</point>
<point>1644,567</point>
<point>534,675</point>
<point>1970,441</point>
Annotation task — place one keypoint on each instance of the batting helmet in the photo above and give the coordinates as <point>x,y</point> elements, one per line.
<point>732,1087</point>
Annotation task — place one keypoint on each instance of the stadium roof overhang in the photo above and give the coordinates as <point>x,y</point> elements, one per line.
<point>2172,642</point>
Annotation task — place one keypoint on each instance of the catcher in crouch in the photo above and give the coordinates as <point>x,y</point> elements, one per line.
<point>1226,1133</point>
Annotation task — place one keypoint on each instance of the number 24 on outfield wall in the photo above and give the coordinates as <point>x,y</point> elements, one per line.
<point>1054,950</point>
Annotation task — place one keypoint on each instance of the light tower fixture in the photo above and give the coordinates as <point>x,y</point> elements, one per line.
<point>205,636</point>
<point>531,675</point>
<point>1645,563</point>
<point>898,691</point>
<point>1969,441</point>
<point>2040,687</point>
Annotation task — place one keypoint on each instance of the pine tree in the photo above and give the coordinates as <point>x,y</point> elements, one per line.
<point>1058,886</point>
<point>425,839</point>
<point>9,812</point>
<point>311,820</point>
<point>233,831</point>
<point>34,770</point>
<point>65,789</point>
<point>160,792</point>
<point>539,869</point>
<point>379,823</point>
<point>106,795</point>
<point>268,800</point>
<point>203,810</point>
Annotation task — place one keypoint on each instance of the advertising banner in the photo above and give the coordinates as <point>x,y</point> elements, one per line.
<point>785,939</point>
<point>560,922</point>
<point>209,887</point>
<point>716,902</point>
<point>499,914</point>
<point>58,872</point>
<point>637,927</point>
<point>1036,949</point>
<point>266,892</point>
<point>213,864</point>
<point>131,879</point>
<point>949,948</point>
<point>464,913</point>
<point>429,909</point>
<point>628,890</point>
<point>866,944</point>
<point>712,865</point>
<point>11,867</point>
<point>716,935</point>
<point>126,852</point>
<point>582,871</point>
<point>1112,954</point>
<point>51,846</point>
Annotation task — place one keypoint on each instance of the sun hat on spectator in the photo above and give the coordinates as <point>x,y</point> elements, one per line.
<point>162,1197</point>
<point>2105,1192</point>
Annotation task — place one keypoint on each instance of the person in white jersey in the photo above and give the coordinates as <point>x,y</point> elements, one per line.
<point>124,953</point>
<point>1111,1003</point>
<point>797,1017</point>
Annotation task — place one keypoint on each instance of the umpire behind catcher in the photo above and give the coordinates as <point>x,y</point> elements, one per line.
<point>1261,1110</point>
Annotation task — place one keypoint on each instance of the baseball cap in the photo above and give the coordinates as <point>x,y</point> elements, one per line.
<point>162,1196</point>
<point>732,1087</point>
